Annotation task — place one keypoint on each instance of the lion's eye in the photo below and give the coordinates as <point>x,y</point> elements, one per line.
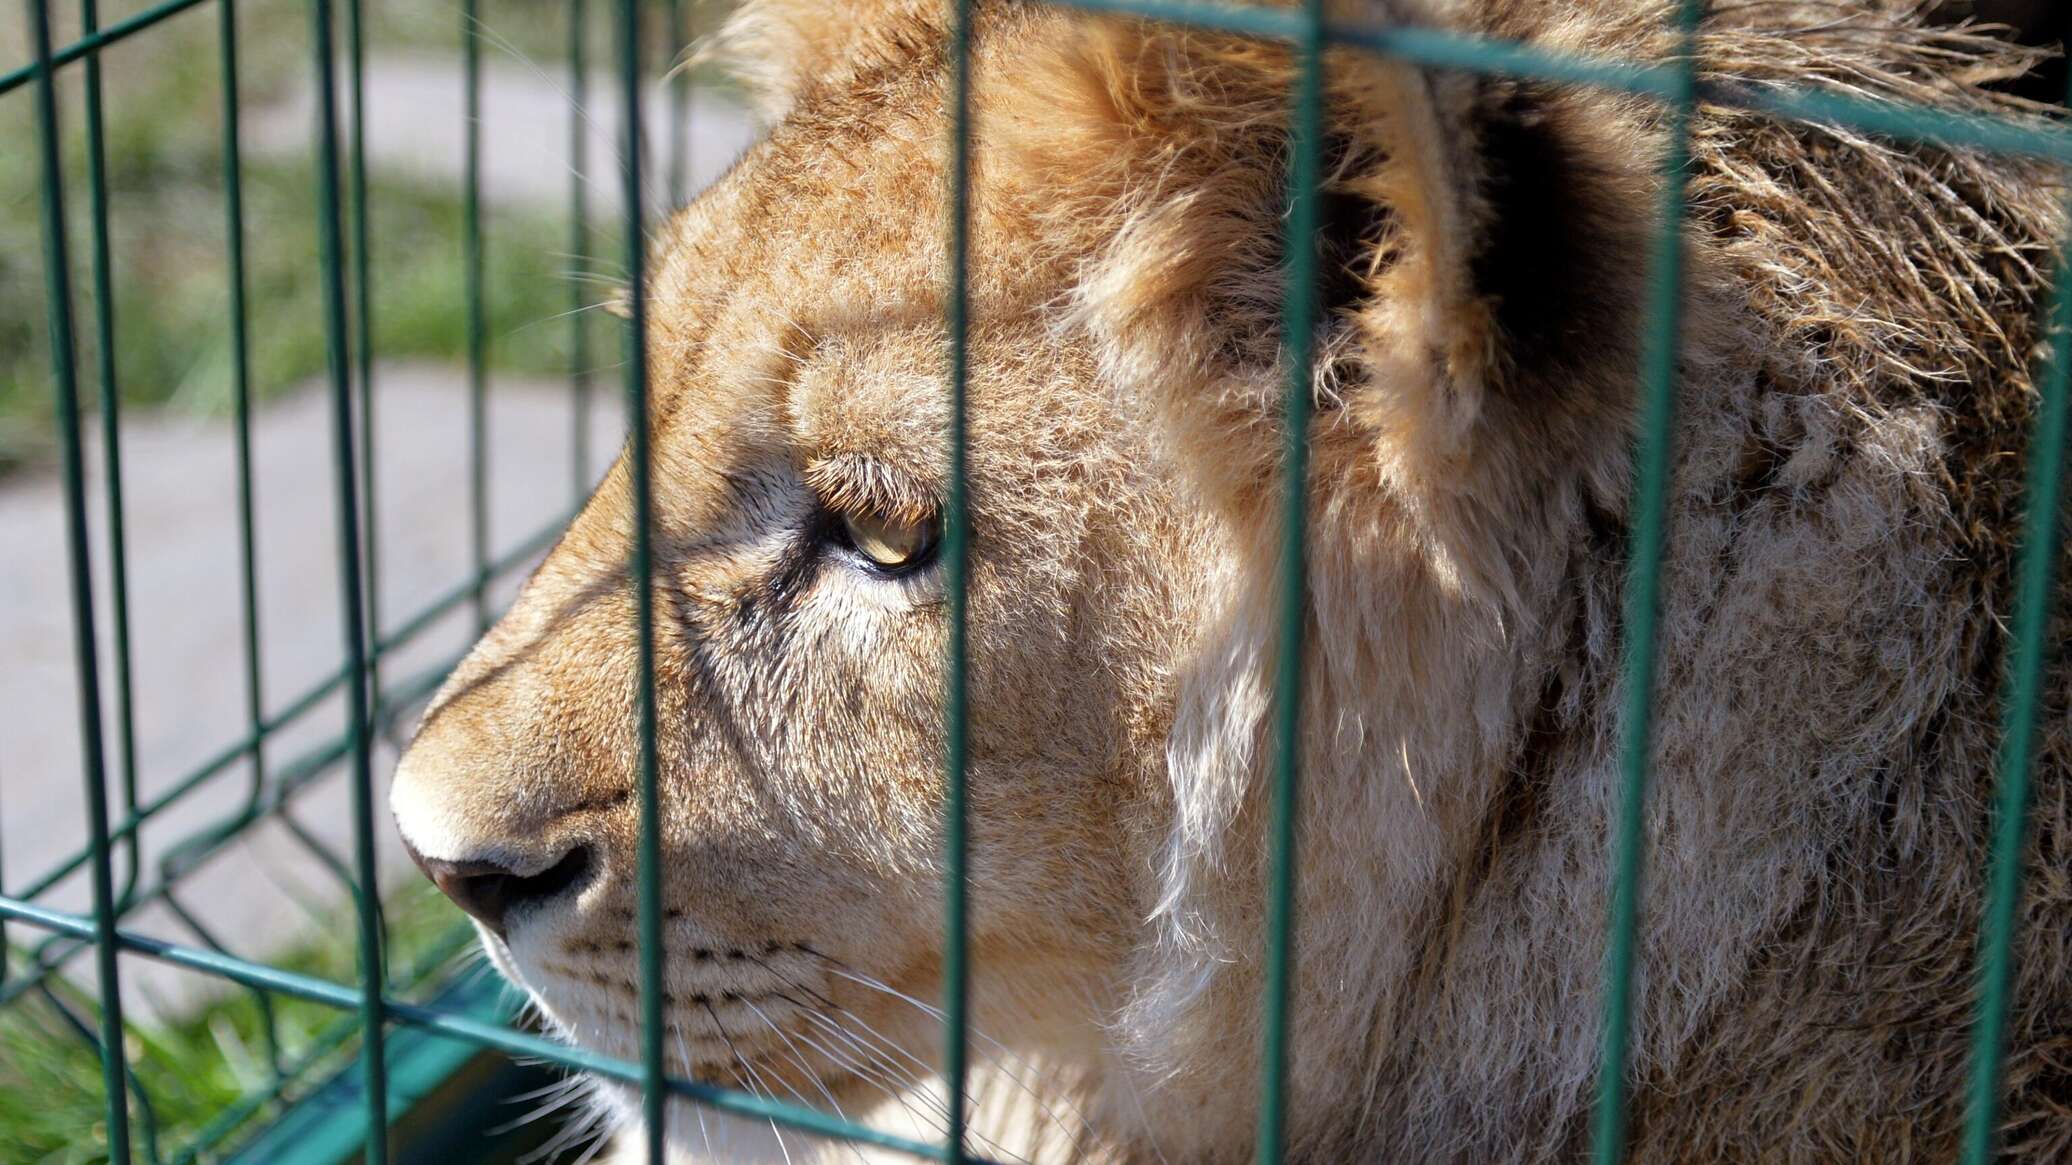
<point>891,544</point>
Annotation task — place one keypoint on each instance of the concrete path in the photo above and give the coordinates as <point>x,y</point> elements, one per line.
<point>415,129</point>
<point>186,621</point>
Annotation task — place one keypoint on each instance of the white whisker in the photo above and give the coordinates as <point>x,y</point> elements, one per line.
<point>590,1154</point>
<point>1129,1083</point>
<point>491,37</point>
<point>571,1134</point>
<point>882,1074</point>
<point>750,1081</point>
<point>1007,1060</point>
<point>563,1093</point>
<point>805,1067</point>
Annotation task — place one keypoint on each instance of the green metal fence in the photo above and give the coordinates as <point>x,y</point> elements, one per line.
<point>374,1006</point>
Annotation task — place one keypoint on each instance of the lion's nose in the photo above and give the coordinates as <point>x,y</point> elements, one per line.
<point>489,891</point>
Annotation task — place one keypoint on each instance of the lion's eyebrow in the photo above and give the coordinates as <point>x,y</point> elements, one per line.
<point>854,483</point>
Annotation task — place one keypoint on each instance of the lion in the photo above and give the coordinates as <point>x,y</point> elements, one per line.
<point>1854,390</point>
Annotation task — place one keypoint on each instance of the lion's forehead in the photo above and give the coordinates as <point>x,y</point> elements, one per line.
<point>799,301</point>
<point>832,213</point>
<point>797,312</point>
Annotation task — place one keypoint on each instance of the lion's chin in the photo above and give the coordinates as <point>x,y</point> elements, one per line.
<point>701,1133</point>
<point>763,1062</point>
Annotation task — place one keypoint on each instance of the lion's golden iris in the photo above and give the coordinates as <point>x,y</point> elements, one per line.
<point>891,543</point>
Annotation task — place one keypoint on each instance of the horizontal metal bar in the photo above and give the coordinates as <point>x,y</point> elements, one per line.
<point>326,1042</point>
<point>86,45</point>
<point>1455,51</point>
<point>320,1125</point>
<point>1473,54</point>
<point>488,1035</point>
<point>1906,122</point>
<point>1243,19</point>
<point>193,780</point>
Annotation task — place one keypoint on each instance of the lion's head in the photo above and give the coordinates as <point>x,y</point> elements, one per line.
<point>1481,253</point>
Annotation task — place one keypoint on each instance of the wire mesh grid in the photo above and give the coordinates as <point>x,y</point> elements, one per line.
<point>372,1006</point>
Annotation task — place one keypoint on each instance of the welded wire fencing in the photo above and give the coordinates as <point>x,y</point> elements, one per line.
<point>372,1007</point>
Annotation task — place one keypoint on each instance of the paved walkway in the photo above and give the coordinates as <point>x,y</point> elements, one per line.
<point>415,130</point>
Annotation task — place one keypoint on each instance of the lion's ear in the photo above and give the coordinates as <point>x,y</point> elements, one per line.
<point>1512,277</point>
<point>1477,234</point>
<point>778,49</point>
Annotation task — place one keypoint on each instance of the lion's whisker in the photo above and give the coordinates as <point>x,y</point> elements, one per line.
<point>1129,1083</point>
<point>683,1052</point>
<point>562,1085</point>
<point>1008,1063</point>
<point>650,191</point>
<point>559,1095</point>
<point>806,1068</point>
<point>597,1146</point>
<point>797,1057</point>
<point>750,1080</point>
<point>861,1071</point>
<point>904,1093</point>
<point>883,1074</point>
<point>824,1001</point>
<point>772,1094</point>
<point>886,1073</point>
<point>573,1133</point>
<point>538,321</point>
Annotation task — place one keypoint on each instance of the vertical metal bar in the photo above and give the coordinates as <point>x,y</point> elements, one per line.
<point>679,107</point>
<point>471,250</point>
<point>1643,589</point>
<point>579,244</point>
<point>1298,322</point>
<point>241,395</point>
<point>330,237</point>
<point>654,1101</point>
<point>957,563</point>
<point>363,333</point>
<point>58,285</point>
<point>2021,708</point>
<point>6,951</point>
<point>269,1025</point>
<point>148,1116</point>
<point>111,442</point>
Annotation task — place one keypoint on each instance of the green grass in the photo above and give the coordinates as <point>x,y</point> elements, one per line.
<point>51,1106</point>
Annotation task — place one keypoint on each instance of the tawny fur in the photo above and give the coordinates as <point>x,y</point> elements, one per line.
<point>1860,326</point>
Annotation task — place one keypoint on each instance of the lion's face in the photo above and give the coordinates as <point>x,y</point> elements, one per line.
<point>797,362</point>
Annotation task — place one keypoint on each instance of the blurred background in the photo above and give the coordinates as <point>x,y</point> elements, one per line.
<point>243,839</point>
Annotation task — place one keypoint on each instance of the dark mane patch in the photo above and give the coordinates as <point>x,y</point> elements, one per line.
<point>1560,259</point>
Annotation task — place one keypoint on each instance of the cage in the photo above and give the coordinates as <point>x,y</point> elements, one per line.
<point>407,1032</point>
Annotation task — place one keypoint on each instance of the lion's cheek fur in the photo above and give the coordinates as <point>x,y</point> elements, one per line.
<point>1392,780</point>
